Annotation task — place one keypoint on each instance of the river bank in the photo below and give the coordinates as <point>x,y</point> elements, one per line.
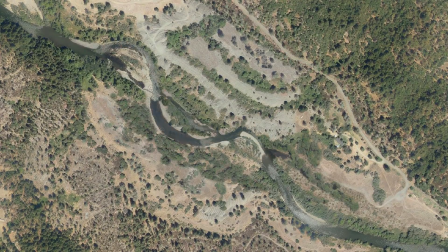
<point>284,190</point>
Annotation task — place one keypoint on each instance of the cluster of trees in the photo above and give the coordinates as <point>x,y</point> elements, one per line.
<point>137,117</point>
<point>206,28</point>
<point>399,60</point>
<point>69,24</point>
<point>234,94</point>
<point>251,76</point>
<point>90,34</point>
<point>29,221</point>
<point>60,143</point>
<point>315,93</point>
<point>316,206</point>
<point>169,9</point>
<point>175,83</point>
<point>179,118</point>
<point>379,195</point>
<point>221,188</point>
<point>170,149</point>
<point>215,165</point>
<point>308,146</point>
<point>61,75</point>
<point>13,147</point>
<point>134,227</point>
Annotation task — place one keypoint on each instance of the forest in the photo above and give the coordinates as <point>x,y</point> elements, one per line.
<point>388,56</point>
<point>187,98</point>
<point>76,71</point>
<point>61,77</point>
<point>137,117</point>
<point>69,24</point>
<point>396,48</point>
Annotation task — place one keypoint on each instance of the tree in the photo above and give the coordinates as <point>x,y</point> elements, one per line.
<point>220,33</point>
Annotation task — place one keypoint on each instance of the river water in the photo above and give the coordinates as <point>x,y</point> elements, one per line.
<point>183,138</point>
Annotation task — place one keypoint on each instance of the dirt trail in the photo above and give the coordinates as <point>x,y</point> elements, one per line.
<point>267,237</point>
<point>156,41</point>
<point>256,56</point>
<point>263,30</point>
<point>9,76</point>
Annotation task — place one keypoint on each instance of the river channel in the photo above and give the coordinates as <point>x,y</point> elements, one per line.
<point>183,138</point>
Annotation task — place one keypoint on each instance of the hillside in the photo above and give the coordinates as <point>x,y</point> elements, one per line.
<point>389,57</point>
<point>223,126</point>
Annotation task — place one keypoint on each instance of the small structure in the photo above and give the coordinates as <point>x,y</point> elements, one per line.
<point>339,142</point>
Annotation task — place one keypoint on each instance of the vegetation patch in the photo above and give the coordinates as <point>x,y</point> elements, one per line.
<point>137,117</point>
<point>378,194</point>
<point>221,188</point>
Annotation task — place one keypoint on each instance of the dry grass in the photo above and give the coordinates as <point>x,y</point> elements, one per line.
<point>444,66</point>
<point>213,60</point>
<point>102,109</point>
<point>30,4</point>
<point>396,214</point>
<point>262,54</point>
<point>136,8</point>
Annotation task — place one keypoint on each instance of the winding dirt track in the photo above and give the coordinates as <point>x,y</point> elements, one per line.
<point>9,76</point>
<point>266,237</point>
<point>158,43</point>
<point>263,30</point>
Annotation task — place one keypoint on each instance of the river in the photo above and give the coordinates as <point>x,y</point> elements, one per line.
<point>183,138</point>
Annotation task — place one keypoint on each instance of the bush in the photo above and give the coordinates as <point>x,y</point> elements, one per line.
<point>221,188</point>
<point>379,195</point>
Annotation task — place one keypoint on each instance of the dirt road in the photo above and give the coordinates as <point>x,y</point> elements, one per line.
<point>9,76</point>
<point>263,30</point>
<point>266,237</point>
<point>158,40</point>
<point>155,39</point>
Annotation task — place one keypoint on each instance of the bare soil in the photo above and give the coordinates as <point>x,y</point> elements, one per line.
<point>30,4</point>
<point>156,41</point>
<point>403,207</point>
<point>103,112</point>
<point>393,201</point>
<point>213,60</point>
<point>136,8</point>
<point>261,55</point>
<point>397,214</point>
